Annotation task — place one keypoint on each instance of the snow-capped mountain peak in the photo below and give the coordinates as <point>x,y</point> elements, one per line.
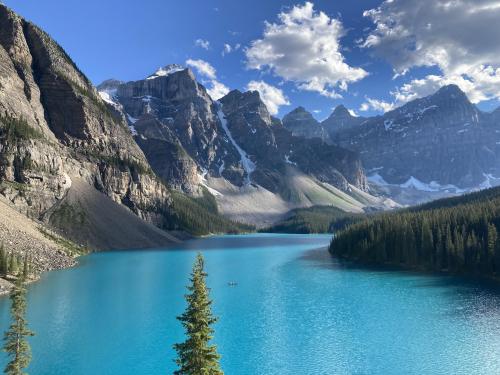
<point>166,71</point>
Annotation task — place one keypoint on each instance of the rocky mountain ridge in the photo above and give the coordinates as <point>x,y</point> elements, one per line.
<point>192,141</point>
<point>55,128</point>
<point>431,147</point>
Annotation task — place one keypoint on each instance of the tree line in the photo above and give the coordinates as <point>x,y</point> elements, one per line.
<point>15,338</point>
<point>316,219</point>
<point>457,235</point>
<point>195,356</point>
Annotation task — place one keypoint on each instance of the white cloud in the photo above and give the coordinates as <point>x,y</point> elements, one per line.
<point>272,96</point>
<point>376,105</point>
<point>204,68</point>
<point>483,83</point>
<point>460,37</point>
<point>227,49</point>
<point>215,89</point>
<point>205,44</point>
<point>304,47</point>
<point>353,113</point>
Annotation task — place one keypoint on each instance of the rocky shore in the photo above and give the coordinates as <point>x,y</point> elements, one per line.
<point>22,236</point>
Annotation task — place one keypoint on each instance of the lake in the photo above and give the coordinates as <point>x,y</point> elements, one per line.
<point>294,310</point>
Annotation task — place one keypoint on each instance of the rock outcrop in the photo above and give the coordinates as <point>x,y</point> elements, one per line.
<point>302,124</point>
<point>438,142</point>
<point>186,135</point>
<point>54,128</point>
<point>340,119</point>
<point>191,141</point>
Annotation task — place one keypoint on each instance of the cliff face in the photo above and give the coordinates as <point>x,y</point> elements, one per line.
<point>186,135</point>
<point>340,119</point>
<point>232,146</point>
<point>302,123</point>
<point>176,123</point>
<point>274,147</point>
<point>54,128</point>
<point>442,138</point>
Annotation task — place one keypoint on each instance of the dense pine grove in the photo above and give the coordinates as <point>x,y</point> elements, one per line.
<point>200,216</point>
<point>457,235</point>
<point>318,219</point>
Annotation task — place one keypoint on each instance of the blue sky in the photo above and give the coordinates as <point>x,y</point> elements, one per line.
<point>129,40</point>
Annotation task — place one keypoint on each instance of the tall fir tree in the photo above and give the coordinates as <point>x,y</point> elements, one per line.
<point>12,264</point>
<point>4,265</point>
<point>196,356</point>
<point>26,268</point>
<point>15,343</point>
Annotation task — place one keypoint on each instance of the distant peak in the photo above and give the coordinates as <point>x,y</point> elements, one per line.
<point>450,90</point>
<point>166,71</point>
<point>299,113</point>
<point>109,84</point>
<point>341,111</point>
<point>299,109</point>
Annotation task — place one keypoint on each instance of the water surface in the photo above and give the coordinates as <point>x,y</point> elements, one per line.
<point>295,310</point>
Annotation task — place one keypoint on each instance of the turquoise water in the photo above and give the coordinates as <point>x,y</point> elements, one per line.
<point>295,310</point>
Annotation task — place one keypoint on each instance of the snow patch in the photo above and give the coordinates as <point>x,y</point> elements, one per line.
<point>132,121</point>
<point>287,160</point>
<point>414,183</point>
<point>388,124</point>
<point>166,71</point>
<point>377,179</point>
<point>417,185</point>
<point>203,181</point>
<point>489,181</point>
<point>423,110</point>
<point>248,165</point>
<point>109,96</point>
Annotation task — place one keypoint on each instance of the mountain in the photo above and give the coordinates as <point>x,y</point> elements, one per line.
<point>302,123</point>
<point>68,158</point>
<point>340,119</point>
<point>430,147</point>
<point>254,166</point>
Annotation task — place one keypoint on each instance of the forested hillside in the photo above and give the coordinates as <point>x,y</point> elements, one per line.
<point>456,235</point>
<point>317,219</point>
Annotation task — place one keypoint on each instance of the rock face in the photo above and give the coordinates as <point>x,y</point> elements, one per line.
<point>232,145</point>
<point>272,146</point>
<point>302,124</point>
<point>186,135</point>
<point>429,143</point>
<point>175,123</point>
<point>340,119</point>
<point>54,128</point>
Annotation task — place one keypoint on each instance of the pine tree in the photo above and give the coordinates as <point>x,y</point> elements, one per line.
<point>489,262</point>
<point>196,356</point>
<point>12,264</point>
<point>3,261</point>
<point>26,267</point>
<point>15,343</point>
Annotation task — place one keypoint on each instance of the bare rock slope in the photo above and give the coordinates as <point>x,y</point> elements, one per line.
<point>56,130</point>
